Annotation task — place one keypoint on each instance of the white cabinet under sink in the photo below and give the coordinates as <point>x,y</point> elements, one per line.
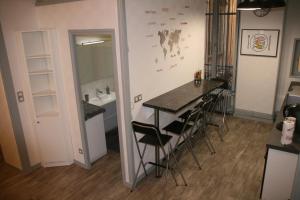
<point>96,137</point>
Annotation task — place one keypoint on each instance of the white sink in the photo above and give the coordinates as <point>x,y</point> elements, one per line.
<point>103,99</point>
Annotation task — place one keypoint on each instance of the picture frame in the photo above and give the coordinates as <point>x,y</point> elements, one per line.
<point>259,42</point>
<point>295,63</point>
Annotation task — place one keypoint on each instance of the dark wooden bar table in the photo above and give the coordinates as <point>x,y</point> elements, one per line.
<point>176,100</point>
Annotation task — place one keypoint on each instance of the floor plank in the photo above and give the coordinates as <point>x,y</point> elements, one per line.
<point>234,172</point>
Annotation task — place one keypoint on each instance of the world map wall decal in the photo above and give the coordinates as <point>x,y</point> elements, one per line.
<point>168,35</point>
<point>169,42</point>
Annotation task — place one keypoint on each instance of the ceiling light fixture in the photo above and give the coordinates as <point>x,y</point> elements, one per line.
<point>92,42</point>
<point>272,3</point>
<point>248,5</point>
<point>260,4</point>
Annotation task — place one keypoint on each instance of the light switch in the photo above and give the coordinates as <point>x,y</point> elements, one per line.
<point>20,96</point>
<point>138,98</point>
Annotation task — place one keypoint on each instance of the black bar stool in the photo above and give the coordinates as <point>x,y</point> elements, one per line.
<point>185,130</point>
<point>217,99</point>
<point>153,137</point>
<point>201,122</point>
<point>227,95</point>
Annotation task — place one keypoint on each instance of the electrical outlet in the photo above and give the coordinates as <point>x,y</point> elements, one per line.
<point>138,98</point>
<point>80,151</point>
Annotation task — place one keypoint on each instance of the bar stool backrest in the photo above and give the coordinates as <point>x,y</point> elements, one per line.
<point>193,117</point>
<point>208,104</point>
<point>225,82</point>
<point>208,107</point>
<point>194,114</point>
<point>146,129</point>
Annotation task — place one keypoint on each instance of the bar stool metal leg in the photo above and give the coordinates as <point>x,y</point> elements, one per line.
<point>202,130</point>
<point>209,145</point>
<point>190,148</point>
<point>177,166</point>
<point>166,156</point>
<point>171,170</point>
<point>167,166</point>
<point>221,132</point>
<point>139,167</point>
<point>227,97</point>
<point>139,152</point>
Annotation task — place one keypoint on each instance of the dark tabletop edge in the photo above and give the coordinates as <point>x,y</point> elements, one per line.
<point>175,111</point>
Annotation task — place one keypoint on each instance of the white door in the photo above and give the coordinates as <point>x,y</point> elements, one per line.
<point>53,142</point>
<point>45,99</point>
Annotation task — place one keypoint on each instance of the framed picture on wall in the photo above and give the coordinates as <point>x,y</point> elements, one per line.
<point>295,70</point>
<point>259,42</point>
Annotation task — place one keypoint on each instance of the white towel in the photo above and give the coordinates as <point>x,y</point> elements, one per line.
<point>288,130</point>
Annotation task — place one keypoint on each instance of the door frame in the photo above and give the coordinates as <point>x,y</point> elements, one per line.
<point>13,106</point>
<point>124,62</point>
<point>123,145</point>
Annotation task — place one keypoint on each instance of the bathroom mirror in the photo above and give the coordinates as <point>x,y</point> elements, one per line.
<point>94,57</point>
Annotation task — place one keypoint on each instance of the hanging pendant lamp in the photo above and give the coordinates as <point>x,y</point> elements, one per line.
<point>248,5</point>
<point>258,4</point>
<point>272,3</point>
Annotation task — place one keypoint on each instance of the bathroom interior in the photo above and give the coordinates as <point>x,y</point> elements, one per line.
<point>95,67</point>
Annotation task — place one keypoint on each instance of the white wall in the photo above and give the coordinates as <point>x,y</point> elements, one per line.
<point>7,137</point>
<point>88,14</point>
<point>291,32</point>
<point>80,15</point>
<point>16,16</point>
<point>151,78</point>
<point>257,76</point>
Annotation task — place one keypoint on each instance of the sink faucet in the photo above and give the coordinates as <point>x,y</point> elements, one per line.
<point>98,92</point>
<point>107,90</point>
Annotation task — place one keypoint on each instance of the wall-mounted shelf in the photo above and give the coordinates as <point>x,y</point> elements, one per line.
<point>41,72</point>
<point>37,45</point>
<point>44,93</point>
<point>41,56</point>
<point>48,114</point>
<point>45,104</point>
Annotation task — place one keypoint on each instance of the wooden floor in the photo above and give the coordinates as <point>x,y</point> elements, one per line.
<point>235,172</point>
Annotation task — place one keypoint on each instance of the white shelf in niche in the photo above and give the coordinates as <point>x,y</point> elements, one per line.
<point>44,93</point>
<point>39,56</point>
<point>42,82</point>
<point>48,114</point>
<point>45,104</point>
<point>41,72</point>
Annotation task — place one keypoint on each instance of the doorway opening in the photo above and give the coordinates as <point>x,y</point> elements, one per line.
<point>94,60</point>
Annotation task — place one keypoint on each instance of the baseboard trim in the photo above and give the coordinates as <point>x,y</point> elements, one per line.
<point>32,168</point>
<point>253,115</point>
<point>1,156</point>
<point>81,165</point>
<point>142,176</point>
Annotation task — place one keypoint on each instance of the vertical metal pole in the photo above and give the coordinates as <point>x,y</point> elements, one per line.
<point>215,30</point>
<point>157,156</point>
